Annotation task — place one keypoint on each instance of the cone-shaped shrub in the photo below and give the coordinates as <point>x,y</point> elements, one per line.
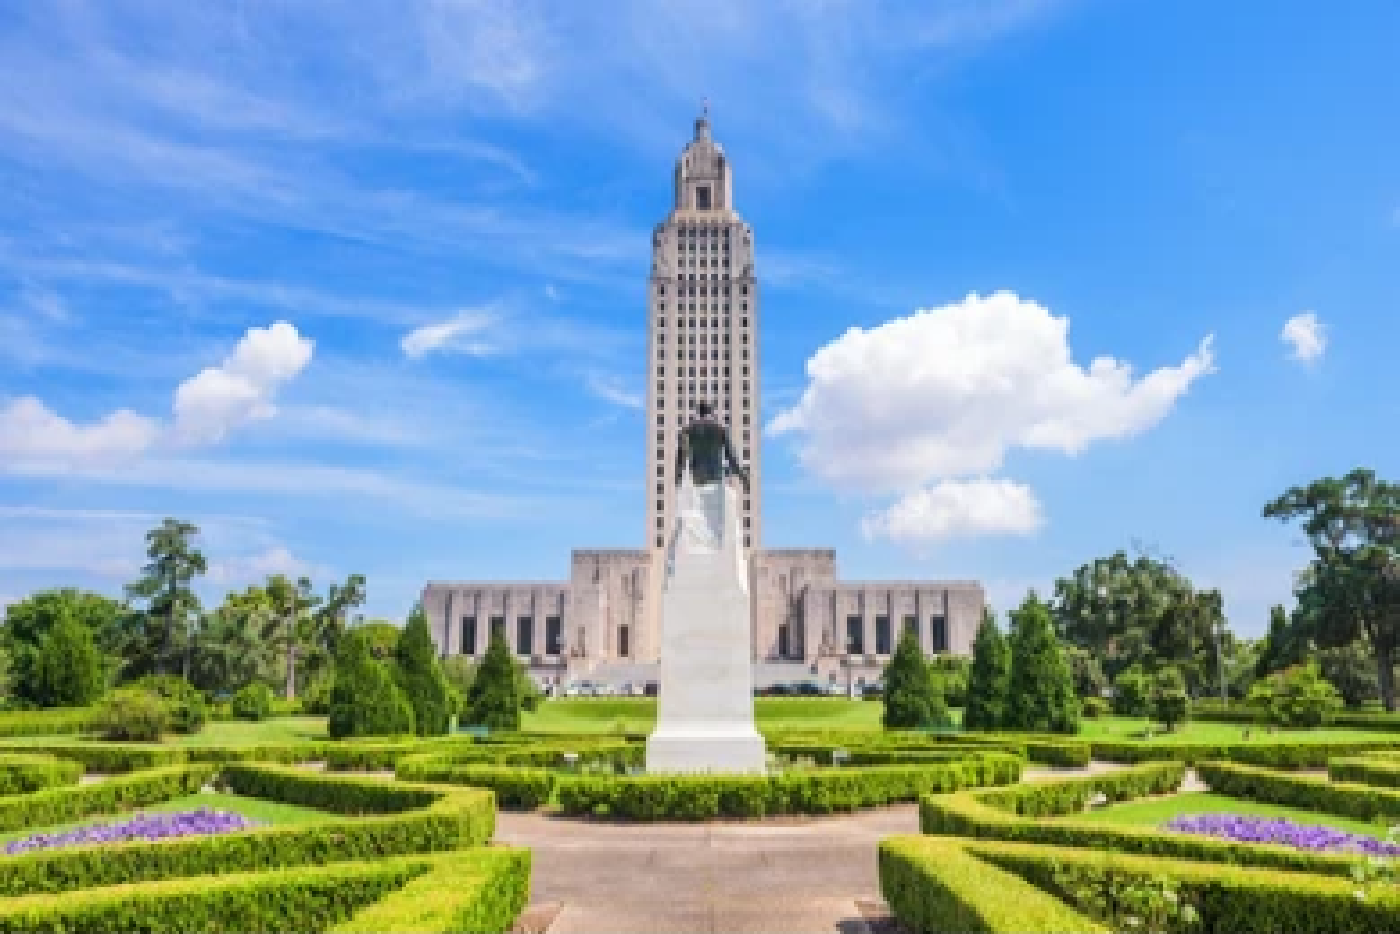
<point>365,701</point>
<point>990,681</point>
<point>420,676</point>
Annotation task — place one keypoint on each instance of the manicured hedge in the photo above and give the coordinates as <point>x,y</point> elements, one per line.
<point>1280,755</point>
<point>702,797</point>
<point>885,755</point>
<point>516,788</point>
<point>468,890</point>
<point>300,899</point>
<point>1228,898</point>
<point>21,774</point>
<point>1069,796</point>
<point>45,722</point>
<point>286,753</point>
<point>935,885</point>
<point>406,819</point>
<point>108,757</point>
<point>1362,802</point>
<point>1379,721</point>
<point>968,814</point>
<point>1366,771</point>
<point>59,805</point>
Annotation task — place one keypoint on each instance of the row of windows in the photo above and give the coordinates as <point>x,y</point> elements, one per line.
<point>689,244</point>
<point>714,387</point>
<point>661,419</point>
<point>713,306</point>
<point>704,264</point>
<point>705,338</point>
<point>524,635</point>
<point>661,541</point>
<point>681,371</point>
<point>686,229</point>
<point>714,354</point>
<point>714,322</point>
<point>661,435</point>
<point>683,290</point>
<point>855,634</point>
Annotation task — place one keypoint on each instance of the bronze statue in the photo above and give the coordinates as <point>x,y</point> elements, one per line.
<point>705,446</point>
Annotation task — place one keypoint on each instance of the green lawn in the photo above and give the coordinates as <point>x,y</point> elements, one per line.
<point>1129,728</point>
<point>638,714</point>
<point>215,733</point>
<point>258,809</point>
<point>1154,812</point>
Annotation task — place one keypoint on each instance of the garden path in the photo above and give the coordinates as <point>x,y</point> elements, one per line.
<point>799,874</point>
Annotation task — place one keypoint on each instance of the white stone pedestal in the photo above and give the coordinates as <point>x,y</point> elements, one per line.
<point>704,720</point>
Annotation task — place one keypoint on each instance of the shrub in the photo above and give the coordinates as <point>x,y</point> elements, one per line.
<point>1168,702</point>
<point>909,695</point>
<point>21,774</point>
<point>475,890</point>
<point>1131,691</point>
<point>1042,698</point>
<point>1361,802</point>
<point>252,702</point>
<point>132,714</point>
<point>316,696</point>
<point>950,676</point>
<point>45,722</point>
<point>365,700</point>
<point>188,711</point>
<point>516,788</point>
<point>68,671</point>
<point>1365,771</point>
<point>63,804</point>
<point>1094,707</point>
<point>820,791</point>
<point>495,696</point>
<point>988,683</point>
<point>419,677</point>
<point>1297,696</point>
<point>936,885</point>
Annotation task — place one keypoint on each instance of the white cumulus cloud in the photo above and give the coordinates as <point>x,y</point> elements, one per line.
<point>33,437</point>
<point>957,508</point>
<point>1305,337</point>
<point>255,567</point>
<point>241,389</point>
<point>947,391</point>
<point>462,333</point>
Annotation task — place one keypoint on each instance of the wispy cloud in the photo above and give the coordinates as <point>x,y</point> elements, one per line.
<point>611,389</point>
<point>463,333</point>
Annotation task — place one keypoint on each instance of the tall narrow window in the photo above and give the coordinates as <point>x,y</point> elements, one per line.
<point>468,635</point>
<point>624,641</point>
<point>524,635</point>
<point>882,635</point>
<point>702,198</point>
<point>553,635</point>
<point>938,633</point>
<point>855,635</point>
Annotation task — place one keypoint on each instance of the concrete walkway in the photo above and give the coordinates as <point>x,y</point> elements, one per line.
<point>781,875</point>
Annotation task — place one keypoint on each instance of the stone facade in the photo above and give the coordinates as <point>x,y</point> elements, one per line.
<point>603,623</point>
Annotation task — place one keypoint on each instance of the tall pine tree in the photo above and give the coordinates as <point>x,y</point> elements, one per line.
<point>989,684</point>
<point>911,697</point>
<point>1041,698</point>
<point>495,696</point>
<point>365,701</point>
<point>420,676</point>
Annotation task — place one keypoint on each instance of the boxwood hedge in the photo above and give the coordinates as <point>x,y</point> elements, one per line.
<point>20,774</point>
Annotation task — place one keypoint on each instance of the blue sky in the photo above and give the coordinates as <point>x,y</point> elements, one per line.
<point>360,287</point>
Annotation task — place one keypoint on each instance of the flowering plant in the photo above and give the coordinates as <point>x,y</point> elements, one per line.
<point>1249,829</point>
<point>146,826</point>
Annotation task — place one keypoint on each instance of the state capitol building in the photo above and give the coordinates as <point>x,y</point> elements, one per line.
<point>602,624</point>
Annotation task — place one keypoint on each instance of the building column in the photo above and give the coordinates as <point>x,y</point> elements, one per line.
<point>537,645</point>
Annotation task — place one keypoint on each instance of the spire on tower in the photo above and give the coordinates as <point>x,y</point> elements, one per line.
<point>702,123</point>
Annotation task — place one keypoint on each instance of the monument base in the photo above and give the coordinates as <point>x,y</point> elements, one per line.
<point>681,752</point>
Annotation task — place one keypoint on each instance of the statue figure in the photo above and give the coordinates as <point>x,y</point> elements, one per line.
<point>705,447</point>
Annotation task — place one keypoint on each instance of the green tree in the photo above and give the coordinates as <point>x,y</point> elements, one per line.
<point>365,701</point>
<point>30,620</point>
<point>1297,696</point>
<point>1089,680</point>
<point>495,699</point>
<point>909,695</point>
<point>1132,691</point>
<point>1352,587</point>
<point>166,586</point>
<point>381,635</point>
<point>1168,702</point>
<point>290,623</point>
<point>68,671</point>
<point>1042,696</point>
<point>989,684</point>
<point>419,676</point>
<point>1350,669</point>
<point>950,674</point>
<point>1284,645</point>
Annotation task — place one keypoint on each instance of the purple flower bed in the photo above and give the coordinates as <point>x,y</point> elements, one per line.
<point>1248,829</point>
<point>150,826</point>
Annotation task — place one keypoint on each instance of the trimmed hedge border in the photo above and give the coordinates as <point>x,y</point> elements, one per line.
<point>464,890</point>
<point>1384,772</point>
<point>972,814</point>
<point>1229,898</point>
<point>1281,755</point>
<point>516,788</point>
<point>45,722</point>
<point>22,774</point>
<point>702,797</point>
<point>405,819</point>
<point>1357,801</point>
<point>934,884</point>
<point>469,890</point>
<point>62,804</point>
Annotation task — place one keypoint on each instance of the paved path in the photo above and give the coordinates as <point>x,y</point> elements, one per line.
<point>793,875</point>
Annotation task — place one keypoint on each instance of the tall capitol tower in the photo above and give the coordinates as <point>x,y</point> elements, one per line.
<point>599,629</point>
<point>702,327</point>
